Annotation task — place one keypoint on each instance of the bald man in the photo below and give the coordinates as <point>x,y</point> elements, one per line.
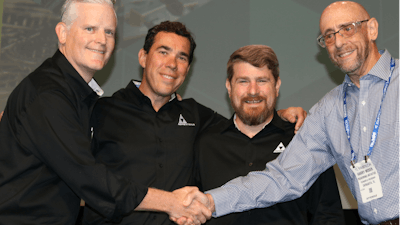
<point>355,125</point>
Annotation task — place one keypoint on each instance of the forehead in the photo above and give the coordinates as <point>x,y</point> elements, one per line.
<point>96,14</point>
<point>339,14</point>
<point>246,70</point>
<point>171,40</point>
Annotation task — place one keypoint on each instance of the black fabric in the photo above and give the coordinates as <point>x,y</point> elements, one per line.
<point>152,148</point>
<point>46,166</point>
<point>224,153</point>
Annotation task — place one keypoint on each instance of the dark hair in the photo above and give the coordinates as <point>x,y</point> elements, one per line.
<point>172,27</point>
<point>258,56</point>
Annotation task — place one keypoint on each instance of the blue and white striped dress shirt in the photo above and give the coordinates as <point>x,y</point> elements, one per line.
<point>322,142</point>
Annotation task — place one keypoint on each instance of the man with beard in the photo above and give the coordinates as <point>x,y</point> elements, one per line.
<point>254,136</point>
<point>356,125</point>
<point>143,132</point>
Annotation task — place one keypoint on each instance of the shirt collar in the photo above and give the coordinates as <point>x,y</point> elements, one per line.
<point>72,77</point>
<point>381,69</point>
<point>95,87</point>
<point>137,84</point>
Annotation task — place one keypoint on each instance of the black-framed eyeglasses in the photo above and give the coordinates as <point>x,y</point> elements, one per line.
<point>346,32</point>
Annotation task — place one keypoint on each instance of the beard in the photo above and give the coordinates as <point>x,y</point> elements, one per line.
<point>359,61</point>
<point>254,115</point>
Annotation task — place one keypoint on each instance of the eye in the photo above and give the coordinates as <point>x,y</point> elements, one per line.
<point>109,32</point>
<point>183,58</point>
<point>90,29</point>
<point>328,36</point>
<point>348,28</point>
<point>163,52</point>
<point>263,80</point>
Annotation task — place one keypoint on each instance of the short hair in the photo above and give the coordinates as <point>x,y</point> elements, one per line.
<point>256,55</point>
<point>171,27</point>
<point>67,10</point>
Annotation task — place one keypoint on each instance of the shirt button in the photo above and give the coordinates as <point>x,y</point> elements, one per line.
<point>364,129</point>
<point>250,164</point>
<point>375,211</point>
<point>160,165</point>
<point>363,102</point>
<point>349,85</point>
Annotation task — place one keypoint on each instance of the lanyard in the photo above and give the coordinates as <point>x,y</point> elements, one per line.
<point>377,121</point>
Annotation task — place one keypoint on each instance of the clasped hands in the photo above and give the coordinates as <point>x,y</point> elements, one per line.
<point>194,207</point>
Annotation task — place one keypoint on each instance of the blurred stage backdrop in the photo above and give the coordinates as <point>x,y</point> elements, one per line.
<point>220,27</point>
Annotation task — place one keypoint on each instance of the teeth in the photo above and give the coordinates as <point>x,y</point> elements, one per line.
<point>346,54</point>
<point>258,101</point>
<point>93,50</point>
<point>168,77</point>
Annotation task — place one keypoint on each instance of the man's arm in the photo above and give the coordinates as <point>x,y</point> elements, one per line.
<point>1,115</point>
<point>294,115</point>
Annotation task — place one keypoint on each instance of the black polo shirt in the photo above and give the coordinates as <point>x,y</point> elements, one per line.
<point>149,147</point>
<point>224,153</point>
<point>46,166</point>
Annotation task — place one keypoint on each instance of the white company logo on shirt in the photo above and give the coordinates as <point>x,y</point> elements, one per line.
<point>182,122</point>
<point>280,148</point>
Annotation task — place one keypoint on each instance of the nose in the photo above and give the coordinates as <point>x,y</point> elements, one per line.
<point>171,63</point>
<point>339,40</point>
<point>253,88</point>
<point>101,37</point>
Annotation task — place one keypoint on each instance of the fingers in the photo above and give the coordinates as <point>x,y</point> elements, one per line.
<point>195,194</point>
<point>194,206</point>
<point>300,120</point>
<point>1,115</point>
<point>294,115</point>
<point>179,97</point>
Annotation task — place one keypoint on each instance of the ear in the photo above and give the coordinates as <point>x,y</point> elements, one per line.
<point>142,58</point>
<point>277,86</point>
<point>61,31</point>
<point>372,29</point>
<point>228,87</point>
<point>187,70</point>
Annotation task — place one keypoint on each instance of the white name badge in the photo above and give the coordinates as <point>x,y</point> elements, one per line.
<point>368,180</point>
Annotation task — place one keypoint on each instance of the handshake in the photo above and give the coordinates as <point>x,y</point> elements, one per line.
<point>193,206</point>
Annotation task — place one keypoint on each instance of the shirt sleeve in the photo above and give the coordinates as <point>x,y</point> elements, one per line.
<point>51,129</point>
<point>208,117</point>
<point>285,178</point>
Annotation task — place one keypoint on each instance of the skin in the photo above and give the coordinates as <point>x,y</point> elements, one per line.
<point>90,39</point>
<point>165,67</point>
<point>357,54</point>
<point>253,92</point>
<point>88,45</point>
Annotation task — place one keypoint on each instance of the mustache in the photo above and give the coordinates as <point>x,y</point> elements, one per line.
<point>253,98</point>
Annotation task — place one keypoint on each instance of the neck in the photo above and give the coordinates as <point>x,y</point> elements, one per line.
<point>87,75</point>
<point>157,101</point>
<point>251,131</point>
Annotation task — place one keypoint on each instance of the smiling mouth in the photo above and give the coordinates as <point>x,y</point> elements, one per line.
<point>168,77</point>
<point>253,101</point>
<point>97,51</point>
<point>345,54</point>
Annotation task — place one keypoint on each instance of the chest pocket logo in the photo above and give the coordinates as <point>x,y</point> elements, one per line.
<point>182,122</point>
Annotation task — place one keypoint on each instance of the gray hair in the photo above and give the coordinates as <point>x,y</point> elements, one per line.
<point>67,10</point>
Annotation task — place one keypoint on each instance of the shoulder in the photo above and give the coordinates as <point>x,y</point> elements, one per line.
<point>329,102</point>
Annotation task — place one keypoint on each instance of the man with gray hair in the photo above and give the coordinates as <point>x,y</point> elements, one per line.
<point>46,165</point>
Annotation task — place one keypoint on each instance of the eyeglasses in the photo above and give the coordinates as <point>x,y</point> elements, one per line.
<point>346,32</point>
